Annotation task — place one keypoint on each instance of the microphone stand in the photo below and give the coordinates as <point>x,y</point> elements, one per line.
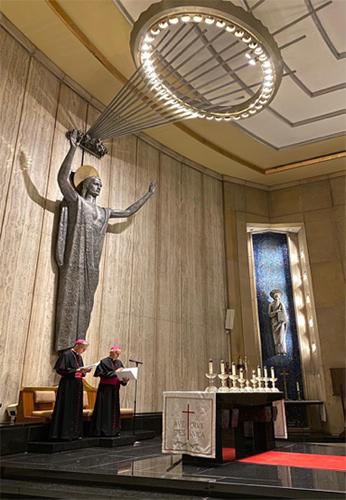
<point>137,363</point>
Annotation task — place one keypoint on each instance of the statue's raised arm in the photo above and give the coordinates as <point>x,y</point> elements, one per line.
<point>132,209</point>
<point>64,179</point>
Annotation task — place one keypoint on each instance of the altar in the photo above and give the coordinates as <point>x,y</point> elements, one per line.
<point>218,427</point>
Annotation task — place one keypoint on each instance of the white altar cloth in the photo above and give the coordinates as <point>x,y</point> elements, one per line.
<point>189,423</point>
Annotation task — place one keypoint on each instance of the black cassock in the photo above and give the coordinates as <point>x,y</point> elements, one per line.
<point>106,416</point>
<point>67,419</point>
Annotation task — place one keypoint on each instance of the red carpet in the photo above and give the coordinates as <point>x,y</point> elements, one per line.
<point>306,460</point>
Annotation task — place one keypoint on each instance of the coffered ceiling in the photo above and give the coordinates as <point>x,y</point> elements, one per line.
<point>301,134</point>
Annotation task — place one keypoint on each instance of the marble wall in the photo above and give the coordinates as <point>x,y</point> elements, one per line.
<point>320,205</point>
<point>162,289</point>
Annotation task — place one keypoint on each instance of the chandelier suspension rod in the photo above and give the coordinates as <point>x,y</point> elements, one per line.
<point>177,117</point>
<point>114,103</point>
<point>173,115</point>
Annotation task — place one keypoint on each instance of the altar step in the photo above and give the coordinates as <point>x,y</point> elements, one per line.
<point>21,482</point>
<point>125,439</point>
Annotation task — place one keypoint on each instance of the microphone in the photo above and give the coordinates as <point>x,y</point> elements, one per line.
<point>135,361</point>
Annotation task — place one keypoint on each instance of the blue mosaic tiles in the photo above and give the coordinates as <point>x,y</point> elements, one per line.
<point>272,270</point>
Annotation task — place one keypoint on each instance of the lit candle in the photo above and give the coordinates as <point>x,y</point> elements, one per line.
<point>253,373</point>
<point>222,365</point>
<point>211,369</point>
<point>233,369</point>
<point>259,374</point>
<point>241,373</point>
<point>272,372</point>
<point>265,372</point>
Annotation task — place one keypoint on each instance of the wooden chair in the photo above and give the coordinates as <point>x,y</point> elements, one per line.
<point>36,404</point>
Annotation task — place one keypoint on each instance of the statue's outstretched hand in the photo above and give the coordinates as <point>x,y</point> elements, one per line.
<point>152,187</point>
<point>75,137</point>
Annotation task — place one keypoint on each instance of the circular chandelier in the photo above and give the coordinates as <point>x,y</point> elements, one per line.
<point>206,58</point>
<point>195,59</point>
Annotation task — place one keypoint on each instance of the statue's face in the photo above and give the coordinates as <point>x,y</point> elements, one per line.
<point>277,296</point>
<point>94,186</point>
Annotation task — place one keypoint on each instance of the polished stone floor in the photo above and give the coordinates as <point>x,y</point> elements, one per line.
<point>146,461</point>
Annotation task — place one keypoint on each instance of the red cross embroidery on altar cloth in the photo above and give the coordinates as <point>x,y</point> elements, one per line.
<point>188,412</point>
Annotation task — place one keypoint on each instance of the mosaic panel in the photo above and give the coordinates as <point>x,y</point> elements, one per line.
<point>272,270</point>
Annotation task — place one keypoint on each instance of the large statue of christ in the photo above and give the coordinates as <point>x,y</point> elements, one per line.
<point>81,232</point>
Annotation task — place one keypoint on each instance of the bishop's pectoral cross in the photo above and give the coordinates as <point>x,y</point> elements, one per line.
<point>188,413</point>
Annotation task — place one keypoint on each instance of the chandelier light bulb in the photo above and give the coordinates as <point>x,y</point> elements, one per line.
<point>252,62</point>
<point>239,34</point>
<point>197,19</point>
<point>209,20</point>
<point>220,24</point>
<point>173,20</point>
<point>148,38</point>
<point>246,39</point>
<point>186,18</point>
<point>155,31</point>
<point>230,28</point>
<point>163,25</point>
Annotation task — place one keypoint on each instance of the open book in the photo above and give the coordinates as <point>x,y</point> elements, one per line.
<point>129,373</point>
<point>87,367</point>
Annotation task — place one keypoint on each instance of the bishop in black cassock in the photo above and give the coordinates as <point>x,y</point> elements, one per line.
<point>67,419</point>
<point>106,416</point>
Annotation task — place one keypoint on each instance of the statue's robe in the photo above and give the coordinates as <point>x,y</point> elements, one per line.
<point>67,420</point>
<point>81,233</point>
<point>106,416</point>
<point>279,320</point>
